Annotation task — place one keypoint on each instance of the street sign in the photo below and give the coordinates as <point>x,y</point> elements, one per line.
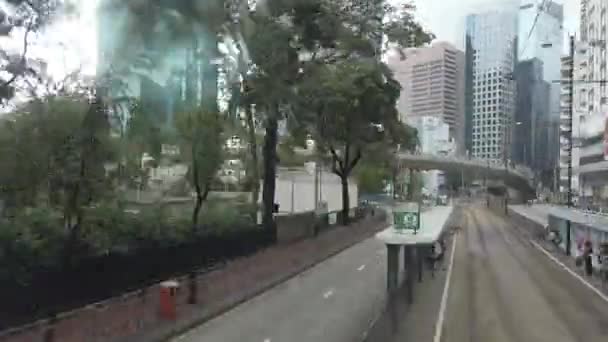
<point>406,217</point>
<point>332,218</point>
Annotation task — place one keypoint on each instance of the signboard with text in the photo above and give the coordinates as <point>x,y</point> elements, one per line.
<point>406,217</point>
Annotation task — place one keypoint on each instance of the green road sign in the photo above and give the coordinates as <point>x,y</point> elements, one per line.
<point>406,217</point>
<point>405,220</point>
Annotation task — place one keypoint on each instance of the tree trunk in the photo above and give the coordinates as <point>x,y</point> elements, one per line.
<point>233,104</point>
<point>270,164</point>
<point>345,201</point>
<point>197,208</point>
<point>410,186</point>
<point>209,74</point>
<point>254,170</point>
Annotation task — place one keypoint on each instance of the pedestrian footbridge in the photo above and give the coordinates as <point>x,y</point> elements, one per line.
<point>514,176</point>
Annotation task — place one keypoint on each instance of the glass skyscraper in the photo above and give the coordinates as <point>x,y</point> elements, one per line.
<point>491,54</point>
<point>540,46</point>
<point>541,37</point>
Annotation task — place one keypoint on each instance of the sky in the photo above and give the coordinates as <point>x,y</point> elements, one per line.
<point>71,43</point>
<point>445,18</point>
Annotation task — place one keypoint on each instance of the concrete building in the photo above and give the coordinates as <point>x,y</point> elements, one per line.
<point>591,105</point>
<point>432,81</point>
<point>564,129</point>
<point>491,54</point>
<point>593,33</point>
<point>435,139</point>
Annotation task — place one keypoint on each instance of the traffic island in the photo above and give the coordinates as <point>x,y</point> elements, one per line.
<point>407,250</point>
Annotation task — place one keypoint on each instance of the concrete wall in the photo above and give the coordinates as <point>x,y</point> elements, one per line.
<point>295,192</point>
<point>295,227</point>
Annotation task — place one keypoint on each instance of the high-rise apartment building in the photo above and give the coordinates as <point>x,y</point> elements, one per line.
<point>432,81</point>
<point>491,54</point>
<point>564,143</point>
<point>590,105</point>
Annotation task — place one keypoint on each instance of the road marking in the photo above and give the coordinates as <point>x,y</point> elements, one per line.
<point>574,274</point>
<point>361,268</point>
<point>444,296</point>
<point>328,293</point>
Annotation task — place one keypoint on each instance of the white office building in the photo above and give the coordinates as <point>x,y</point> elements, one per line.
<point>491,44</point>
<point>434,136</point>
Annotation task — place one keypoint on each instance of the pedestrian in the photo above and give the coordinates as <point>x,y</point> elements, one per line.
<point>587,258</point>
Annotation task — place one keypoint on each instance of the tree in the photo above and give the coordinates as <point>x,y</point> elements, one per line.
<point>24,18</point>
<point>353,100</point>
<point>81,172</point>
<point>201,134</point>
<point>271,86</point>
<point>32,137</point>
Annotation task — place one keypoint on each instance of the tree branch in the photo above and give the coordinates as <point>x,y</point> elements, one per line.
<point>22,60</point>
<point>336,157</point>
<point>354,162</point>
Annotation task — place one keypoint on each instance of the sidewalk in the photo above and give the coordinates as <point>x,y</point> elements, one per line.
<point>402,321</point>
<point>569,261</point>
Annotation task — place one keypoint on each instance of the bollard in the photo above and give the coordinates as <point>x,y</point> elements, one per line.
<point>168,304</point>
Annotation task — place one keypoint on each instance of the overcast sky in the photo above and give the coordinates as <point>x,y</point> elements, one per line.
<point>72,43</point>
<point>445,18</point>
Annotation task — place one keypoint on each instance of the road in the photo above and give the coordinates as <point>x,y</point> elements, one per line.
<point>333,301</point>
<point>503,288</point>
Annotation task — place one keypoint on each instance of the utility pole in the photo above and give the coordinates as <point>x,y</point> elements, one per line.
<point>569,117</point>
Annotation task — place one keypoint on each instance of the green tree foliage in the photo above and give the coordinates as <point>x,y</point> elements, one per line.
<point>56,150</point>
<point>371,179</point>
<point>201,134</point>
<point>21,21</point>
<point>353,102</point>
<point>271,86</point>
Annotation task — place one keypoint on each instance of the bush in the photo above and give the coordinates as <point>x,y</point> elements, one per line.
<point>35,239</point>
<point>31,240</point>
<point>226,215</point>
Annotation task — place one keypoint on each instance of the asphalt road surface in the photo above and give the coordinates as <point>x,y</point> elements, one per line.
<point>334,301</point>
<point>504,289</point>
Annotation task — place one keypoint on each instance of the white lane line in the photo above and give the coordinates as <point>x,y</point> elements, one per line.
<point>328,293</point>
<point>574,274</point>
<point>444,296</point>
<point>361,268</point>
